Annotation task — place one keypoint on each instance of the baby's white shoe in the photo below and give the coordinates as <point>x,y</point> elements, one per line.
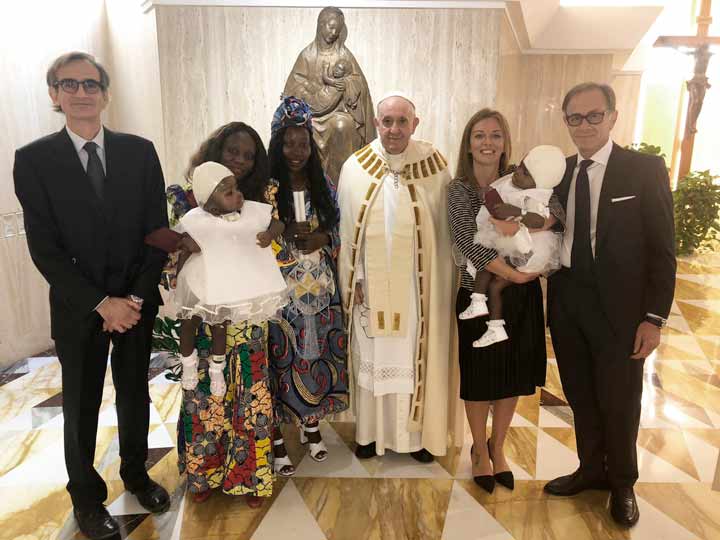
<point>494,334</point>
<point>189,378</point>
<point>477,308</point>
<point>217,377</point>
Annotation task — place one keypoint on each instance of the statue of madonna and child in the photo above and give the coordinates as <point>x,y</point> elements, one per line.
<point>327,77</point>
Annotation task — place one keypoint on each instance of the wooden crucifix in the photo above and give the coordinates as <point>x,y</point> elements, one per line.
<point>699,46</point>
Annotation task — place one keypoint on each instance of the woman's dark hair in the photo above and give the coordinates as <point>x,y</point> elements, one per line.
<point>254,184</point>
<point>319,192</point>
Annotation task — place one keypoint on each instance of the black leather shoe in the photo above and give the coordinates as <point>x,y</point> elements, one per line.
<point>504,478</point>
<point>96,523</point>
<point>153,497</point>
<point>575,483</point>
<point>485,481</point>
<point>423,456</point>
<point>623,507</point>
<point>365,451</point>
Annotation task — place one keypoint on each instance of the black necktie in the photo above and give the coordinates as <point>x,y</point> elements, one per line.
<point>582,255</point>
<point>95,171</point>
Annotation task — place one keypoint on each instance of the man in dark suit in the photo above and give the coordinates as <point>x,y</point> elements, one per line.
<point>89,197</point>
<point>608,303</point>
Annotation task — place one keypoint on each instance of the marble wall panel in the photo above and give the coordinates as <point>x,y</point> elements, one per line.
<point>221,64</point>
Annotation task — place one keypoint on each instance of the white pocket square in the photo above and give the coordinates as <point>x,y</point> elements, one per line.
<point>620,199</point>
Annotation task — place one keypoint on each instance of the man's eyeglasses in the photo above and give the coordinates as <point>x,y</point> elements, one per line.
<point>592,118</point>
<point>91,86</point>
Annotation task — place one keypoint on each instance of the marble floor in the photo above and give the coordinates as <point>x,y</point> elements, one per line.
<point>395,498</point>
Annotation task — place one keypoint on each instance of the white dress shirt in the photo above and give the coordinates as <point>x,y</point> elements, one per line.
<point>79,142</point>
<point>596,173</point>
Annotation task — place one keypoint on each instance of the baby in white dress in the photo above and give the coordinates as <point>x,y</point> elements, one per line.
<point>230,278</point>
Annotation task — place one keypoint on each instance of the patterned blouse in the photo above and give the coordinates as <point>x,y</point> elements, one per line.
<point>464,202</point>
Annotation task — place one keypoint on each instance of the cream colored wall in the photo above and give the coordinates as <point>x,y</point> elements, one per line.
<point>531,89</point>
<point>627,92</point>
<point>136,103</point>
<point>32,34</point>
<point>221,64</point>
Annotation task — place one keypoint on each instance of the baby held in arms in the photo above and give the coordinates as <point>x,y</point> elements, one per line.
<point>523,197</point>
<point>231,274</point>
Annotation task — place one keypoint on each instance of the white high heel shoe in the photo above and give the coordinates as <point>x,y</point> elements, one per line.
<point>282,465</point>
<point>318,451</point>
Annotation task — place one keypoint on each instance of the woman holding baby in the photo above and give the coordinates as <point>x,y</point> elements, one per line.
<point>495,372</point>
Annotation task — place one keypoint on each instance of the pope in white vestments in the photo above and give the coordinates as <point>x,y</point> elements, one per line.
<point>397,281</point>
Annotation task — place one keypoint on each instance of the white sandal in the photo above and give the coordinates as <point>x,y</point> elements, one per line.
<point>318,450</point>
<point>282,465</point>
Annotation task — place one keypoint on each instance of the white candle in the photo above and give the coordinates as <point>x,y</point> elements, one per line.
<point>299,202</point>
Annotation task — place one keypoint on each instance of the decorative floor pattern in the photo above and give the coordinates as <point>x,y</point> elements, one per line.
<point>394,497</point>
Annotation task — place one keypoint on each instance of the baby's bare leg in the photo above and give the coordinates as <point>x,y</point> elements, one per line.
<point>188,331</point>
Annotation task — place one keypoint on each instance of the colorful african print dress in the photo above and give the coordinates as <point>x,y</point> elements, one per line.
<point>308,347</point>
<point>227,442</point>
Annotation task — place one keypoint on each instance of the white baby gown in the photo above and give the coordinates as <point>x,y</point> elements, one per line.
<point>232,278</point>
<point>528,252</point>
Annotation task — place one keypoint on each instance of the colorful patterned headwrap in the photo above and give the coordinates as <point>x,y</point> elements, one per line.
<point>291,112</point>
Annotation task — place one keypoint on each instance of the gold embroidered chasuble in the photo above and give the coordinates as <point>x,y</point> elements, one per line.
<point>420,231</point>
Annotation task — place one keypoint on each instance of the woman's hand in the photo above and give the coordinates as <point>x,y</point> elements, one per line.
<point>503,270</point>
<point>521,277</point>
<point>506,228</point>
<point>295,229</point>
<point>310,242</point>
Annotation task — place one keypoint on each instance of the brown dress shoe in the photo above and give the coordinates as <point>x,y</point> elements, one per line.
<point>623,506</point>
<point>572,484</point>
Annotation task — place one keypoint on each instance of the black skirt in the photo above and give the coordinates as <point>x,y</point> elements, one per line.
<point>510,368</point>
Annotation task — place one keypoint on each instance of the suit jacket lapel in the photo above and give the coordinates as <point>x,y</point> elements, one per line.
<point>563,188</point>
<point>113,176</point>
<point>71,170</point>
<point>611,181</point>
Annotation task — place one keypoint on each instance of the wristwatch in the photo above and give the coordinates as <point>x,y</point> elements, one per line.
<point>655,320</point>
<point>139,301</point>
